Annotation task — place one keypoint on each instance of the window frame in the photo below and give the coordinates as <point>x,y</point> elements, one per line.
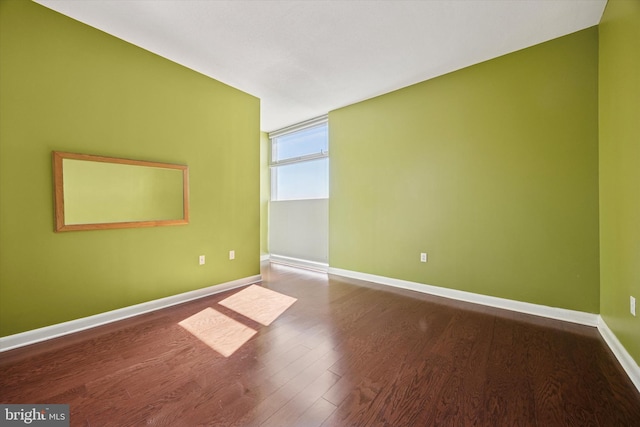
<point>274,164</point>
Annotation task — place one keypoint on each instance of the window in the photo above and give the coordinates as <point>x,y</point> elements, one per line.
<point>300,161</point>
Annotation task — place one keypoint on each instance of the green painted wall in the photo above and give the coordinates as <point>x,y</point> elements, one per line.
<point>265,192</point>
<point>619,87</point>
<point>492,170</point>
<point>66,86</point>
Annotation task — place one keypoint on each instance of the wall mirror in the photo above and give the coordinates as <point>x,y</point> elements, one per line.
<point>96,192</point>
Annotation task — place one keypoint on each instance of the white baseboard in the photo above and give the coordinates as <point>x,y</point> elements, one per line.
<point>264,257</point>
<point>42,334</point>
<point>60,329</point>
<point>573,316</point>
<point>628,363</point>
<point>301,263</point>
<point>595,320</point>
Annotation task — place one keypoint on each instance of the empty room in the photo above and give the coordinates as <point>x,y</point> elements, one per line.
<point>319,213</point>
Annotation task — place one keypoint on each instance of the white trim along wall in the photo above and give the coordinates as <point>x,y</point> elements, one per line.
<point>588,319</point>
<point>77,325</point>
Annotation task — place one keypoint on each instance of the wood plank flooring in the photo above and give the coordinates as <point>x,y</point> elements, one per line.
<point>346,353</point>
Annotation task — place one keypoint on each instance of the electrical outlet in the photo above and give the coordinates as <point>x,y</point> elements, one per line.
<point>632,305</point>
<point>232,254</point>
<point>423,257</point>
<point>201,259</point>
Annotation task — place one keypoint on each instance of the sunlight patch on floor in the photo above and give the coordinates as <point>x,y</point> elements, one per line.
<point>220,332</point>
<point>226,335</point>
<point>259,304</point>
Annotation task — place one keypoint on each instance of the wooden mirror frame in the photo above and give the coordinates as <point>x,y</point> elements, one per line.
<point>58,178</point>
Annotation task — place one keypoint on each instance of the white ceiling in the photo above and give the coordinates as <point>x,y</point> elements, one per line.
<point>304,58</point>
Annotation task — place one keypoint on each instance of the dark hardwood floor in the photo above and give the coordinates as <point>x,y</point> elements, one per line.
<point>347,353</point>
